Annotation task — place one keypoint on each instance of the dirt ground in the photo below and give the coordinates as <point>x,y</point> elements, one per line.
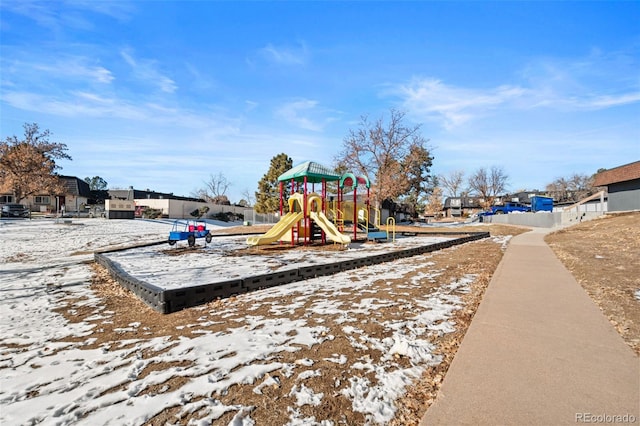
<point>604,257</point>
<point>479,258</point>
<point>602,254</point>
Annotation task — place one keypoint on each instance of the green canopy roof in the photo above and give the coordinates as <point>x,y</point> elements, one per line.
<point>314,173</point>
<point>349,179</point>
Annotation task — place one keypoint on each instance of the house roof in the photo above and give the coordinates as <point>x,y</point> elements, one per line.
<point>314,172</point>
<point>75,186</point>
<point>619,174</point>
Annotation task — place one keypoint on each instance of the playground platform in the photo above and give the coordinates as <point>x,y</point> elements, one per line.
<point>538,352</point>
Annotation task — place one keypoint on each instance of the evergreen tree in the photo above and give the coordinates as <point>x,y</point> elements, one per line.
<point>96,183</point>
<point>98,187</point>
<point>417,166</point>
<point>268,195</point>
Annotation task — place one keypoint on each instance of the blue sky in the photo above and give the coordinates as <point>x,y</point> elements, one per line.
<point>161,95</point>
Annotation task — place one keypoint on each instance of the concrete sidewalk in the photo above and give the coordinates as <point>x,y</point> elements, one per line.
<point>538,352</point>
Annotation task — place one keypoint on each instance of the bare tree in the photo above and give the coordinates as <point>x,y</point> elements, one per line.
<point>248,196</point>
<point>452,182</point>
<point>488,184</point>
<point>217,185</point>
<point>214,190</point>
<point>572,188</point>
<point>383,151</point>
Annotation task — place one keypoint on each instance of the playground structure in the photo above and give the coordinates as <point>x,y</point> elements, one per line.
<point>296,223</point>
<point>310,212</point>
<point>359,214</point>
<point>308,215</point>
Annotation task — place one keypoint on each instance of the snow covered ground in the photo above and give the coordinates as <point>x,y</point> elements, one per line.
<point>49,377</point>
<point>216,261</point>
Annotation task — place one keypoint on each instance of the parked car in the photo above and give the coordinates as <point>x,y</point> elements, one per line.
<point>510,207</point>
<point>15,210</point>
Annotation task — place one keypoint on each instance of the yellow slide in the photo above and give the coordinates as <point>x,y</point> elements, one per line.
<point>277,231</point>
<point>329,228</point>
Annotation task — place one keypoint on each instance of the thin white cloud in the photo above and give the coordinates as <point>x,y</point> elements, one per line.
<point>199,80</point>
<point>77,105</point>
<point>250,105</point>
<point>94,98</point>
<point>64,68</point>
<point>599,80</point>
<point>42,13</point>
<point>301,113</point>
<point>83,104</point>
<point>120,10</point>
<point>60,15</point>
<point>286,55</point>
<point>77,67</point>
<point>147,71</point>
<point>452,106</point>
<point>606,101</point>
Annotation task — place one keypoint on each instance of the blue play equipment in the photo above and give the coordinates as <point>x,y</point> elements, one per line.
<point>191,230</point>
<point>376,234</point>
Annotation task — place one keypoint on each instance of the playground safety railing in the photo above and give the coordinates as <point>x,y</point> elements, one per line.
<point>377,218</point>
<point>391,224</point>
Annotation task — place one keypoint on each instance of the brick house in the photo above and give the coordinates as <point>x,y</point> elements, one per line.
<point>623,186</point>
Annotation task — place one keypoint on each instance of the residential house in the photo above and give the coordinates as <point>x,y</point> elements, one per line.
<point>462,206</point>
<point>76,195</point>
<point>623,187</point>
<point>74,198</point>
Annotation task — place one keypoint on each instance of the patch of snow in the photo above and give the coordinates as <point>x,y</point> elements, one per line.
<point>296,419</point>
<point>47,380</point>
<point>306,396</point>
<point>338,359</point>
<point>269,381</point>
<point>503,240</point>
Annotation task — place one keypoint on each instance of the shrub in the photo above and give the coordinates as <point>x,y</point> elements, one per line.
<point>226,216</point>
<point>198,213</point>
<point>150,213</point>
